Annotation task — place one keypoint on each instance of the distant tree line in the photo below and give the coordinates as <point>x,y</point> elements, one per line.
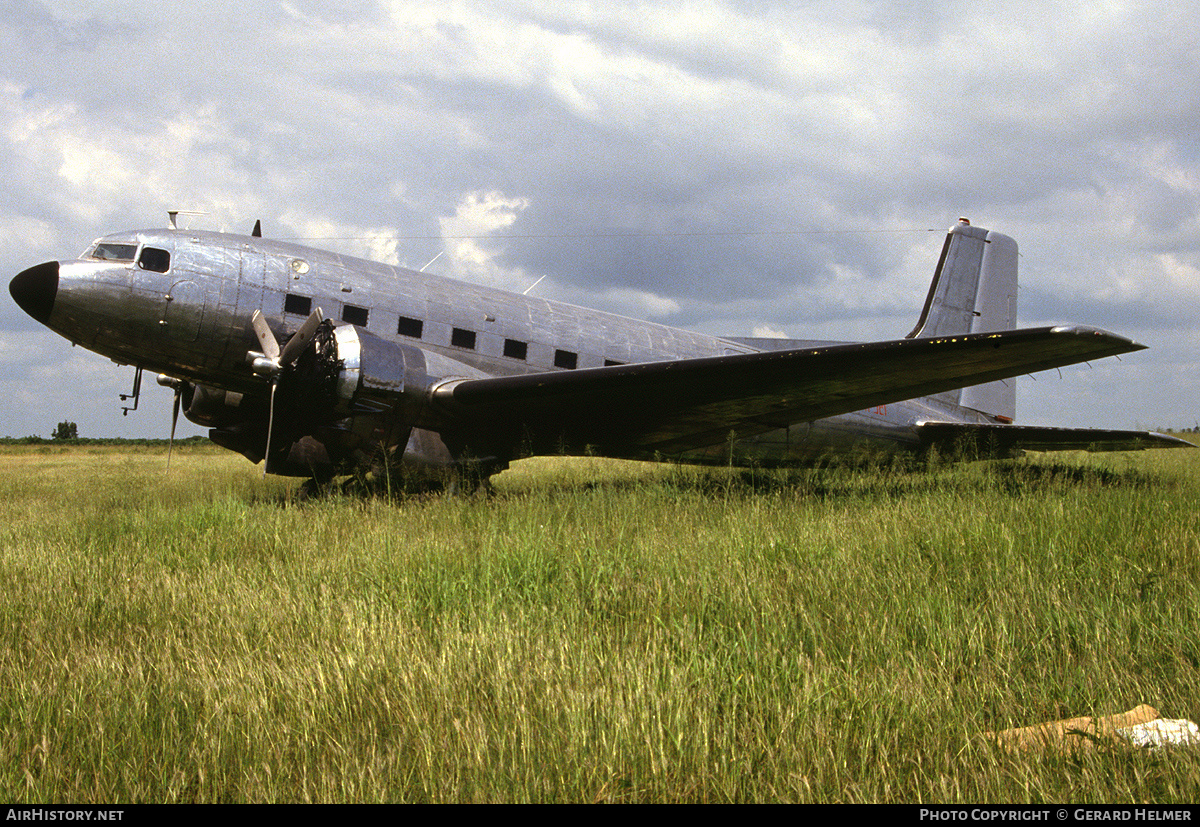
<point>67,433</point>
<point>41,440</point>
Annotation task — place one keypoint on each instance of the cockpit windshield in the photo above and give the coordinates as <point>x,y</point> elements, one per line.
<point>111,251</point>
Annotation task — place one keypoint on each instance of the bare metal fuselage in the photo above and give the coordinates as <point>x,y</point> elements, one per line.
<point>191,323</point>
<point>422,370</point>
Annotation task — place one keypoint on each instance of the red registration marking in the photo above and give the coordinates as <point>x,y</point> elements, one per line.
<point>881,410</point>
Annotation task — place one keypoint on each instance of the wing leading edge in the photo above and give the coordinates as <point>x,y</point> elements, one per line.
<point>669,407</point>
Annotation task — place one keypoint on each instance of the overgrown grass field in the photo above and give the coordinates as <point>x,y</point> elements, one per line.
<point>594,631</point>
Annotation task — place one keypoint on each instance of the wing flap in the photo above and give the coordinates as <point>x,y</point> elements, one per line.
<point>666,407</point>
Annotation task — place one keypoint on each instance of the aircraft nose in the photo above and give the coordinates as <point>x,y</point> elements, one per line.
<point>34,290</point>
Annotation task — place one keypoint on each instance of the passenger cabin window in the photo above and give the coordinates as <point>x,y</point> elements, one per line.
<point>154,260</point>
<point>300,305</point>
<point>107,251</point>
<point>463,338</point>
<point>612,363</point>
<point>565,359</point>
<point>410,327</point>
<point>514,349</point>
<point>354,315</point>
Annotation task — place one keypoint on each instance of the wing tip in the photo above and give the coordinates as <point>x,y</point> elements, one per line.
<point>1108,335</point>
<point>1049,438</point>
<point>1170,441</point>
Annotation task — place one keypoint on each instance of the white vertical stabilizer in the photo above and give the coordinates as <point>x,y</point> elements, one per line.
<point>974,291</point>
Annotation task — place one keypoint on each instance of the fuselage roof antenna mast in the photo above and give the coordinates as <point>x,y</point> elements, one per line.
<point>172,215</point>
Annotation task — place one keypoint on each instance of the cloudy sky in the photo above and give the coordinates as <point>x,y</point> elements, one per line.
<point>730,167</point>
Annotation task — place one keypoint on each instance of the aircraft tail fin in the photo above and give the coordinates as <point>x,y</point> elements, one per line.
<point>974,290</point>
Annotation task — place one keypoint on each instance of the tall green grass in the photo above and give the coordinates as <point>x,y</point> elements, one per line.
<point>594,631</point>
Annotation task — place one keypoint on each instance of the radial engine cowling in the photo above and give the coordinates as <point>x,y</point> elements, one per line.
<point>353,401</point>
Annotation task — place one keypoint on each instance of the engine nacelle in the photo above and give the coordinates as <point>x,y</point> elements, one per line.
<point>352,400</point>
<point>212,407</point>
<point>382,391</point>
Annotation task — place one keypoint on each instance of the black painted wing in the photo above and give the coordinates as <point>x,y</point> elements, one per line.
<point>668,407</point>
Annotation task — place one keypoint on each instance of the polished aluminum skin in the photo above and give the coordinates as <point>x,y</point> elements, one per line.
<point>412,370</point>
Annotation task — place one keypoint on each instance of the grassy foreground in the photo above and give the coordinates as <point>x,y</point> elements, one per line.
<point>596,631</point>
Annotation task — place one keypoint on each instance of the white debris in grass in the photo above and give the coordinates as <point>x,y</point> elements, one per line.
<point>1162,732</point>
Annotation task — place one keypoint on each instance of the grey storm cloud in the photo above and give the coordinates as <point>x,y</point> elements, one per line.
<point>732,167</point>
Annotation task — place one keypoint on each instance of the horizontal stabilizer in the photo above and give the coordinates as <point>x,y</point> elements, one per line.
<point>1002,439</point>
<point>668,407</point>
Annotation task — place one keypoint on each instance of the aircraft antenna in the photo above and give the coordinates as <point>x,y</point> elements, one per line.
<point>134,394</point>
<point>431,261</point>
<point>525,292</point>
<point>172,224</point>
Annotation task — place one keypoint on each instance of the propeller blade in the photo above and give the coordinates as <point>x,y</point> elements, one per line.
<point>302,339</point>
<point>270,425</point>
<point>174,422</point>
<point>266,339</point>
<point>281,360</point>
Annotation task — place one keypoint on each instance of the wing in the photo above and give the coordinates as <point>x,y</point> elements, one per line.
<point>667,407</point>
<point>1005,438</point>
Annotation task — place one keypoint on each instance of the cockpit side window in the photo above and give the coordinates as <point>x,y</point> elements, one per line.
<point>111,251</point>
<point>154,260</point>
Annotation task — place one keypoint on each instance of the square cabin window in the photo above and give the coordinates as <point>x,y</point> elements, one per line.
<point>300,305</point>
<point>514,349</point>
<point>463,338</point>
<point>351,314</point>
<point>565,359</point>
<point>410,327</point>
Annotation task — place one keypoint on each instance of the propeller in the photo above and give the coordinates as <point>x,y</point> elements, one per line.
<point>178,385</point>
<point>273,361</point>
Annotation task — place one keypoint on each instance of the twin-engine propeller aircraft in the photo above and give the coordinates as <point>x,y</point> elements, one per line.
<point>323,364</point>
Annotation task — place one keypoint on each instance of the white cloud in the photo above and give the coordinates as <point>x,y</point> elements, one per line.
<point>23,348</point>
<point>639,303</point>
<point>766,331</point>
<point>470,255</point>
<point>680,148</point>
<point>375,243</point>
